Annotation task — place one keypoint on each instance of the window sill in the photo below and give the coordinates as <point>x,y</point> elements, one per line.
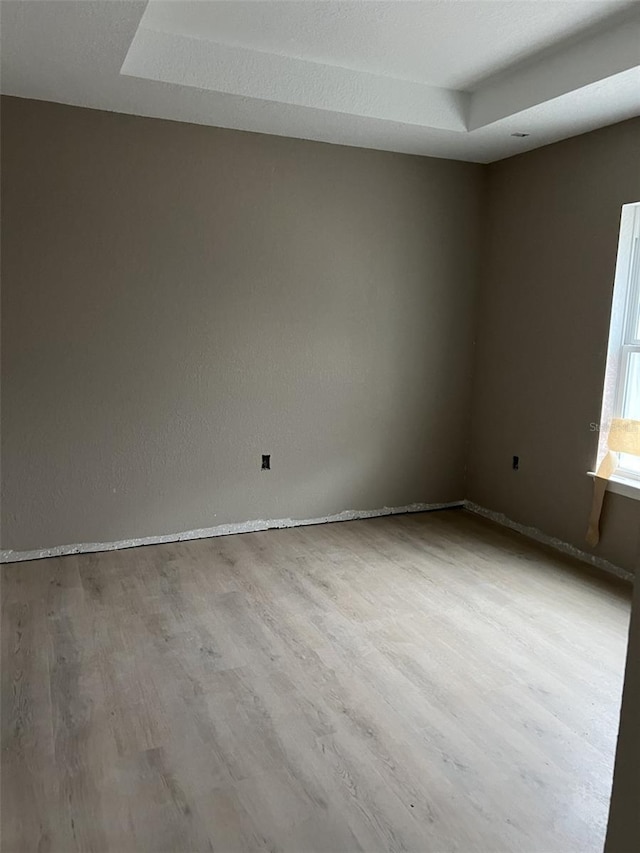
<point>622,486</point>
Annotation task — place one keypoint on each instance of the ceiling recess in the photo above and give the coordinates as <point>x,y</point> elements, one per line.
<point>440,77</point>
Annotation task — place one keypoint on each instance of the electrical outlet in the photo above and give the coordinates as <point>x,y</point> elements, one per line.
<point>266,461</point>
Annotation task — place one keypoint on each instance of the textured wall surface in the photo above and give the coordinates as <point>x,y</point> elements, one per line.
<point>552,220</point>
<point>178,300</point>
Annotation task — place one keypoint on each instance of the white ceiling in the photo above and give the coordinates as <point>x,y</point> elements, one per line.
<point>441,44</point>
<point>448,78</point>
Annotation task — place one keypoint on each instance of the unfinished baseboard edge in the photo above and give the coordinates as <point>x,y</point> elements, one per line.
<point>551,541</point>
<point>9,556</point>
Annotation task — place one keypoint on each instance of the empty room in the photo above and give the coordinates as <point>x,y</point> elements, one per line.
<point>320,426</point>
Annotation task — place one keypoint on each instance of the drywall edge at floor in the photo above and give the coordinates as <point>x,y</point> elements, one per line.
<point>220,530</point>
<point>551,541</point>
<point>346,515</point>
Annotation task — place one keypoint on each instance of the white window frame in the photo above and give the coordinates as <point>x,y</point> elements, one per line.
<point>623,339</point>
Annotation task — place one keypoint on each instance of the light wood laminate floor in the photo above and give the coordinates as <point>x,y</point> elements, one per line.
<point>423,683</point>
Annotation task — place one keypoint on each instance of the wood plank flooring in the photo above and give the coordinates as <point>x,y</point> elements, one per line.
<point>425,682</point>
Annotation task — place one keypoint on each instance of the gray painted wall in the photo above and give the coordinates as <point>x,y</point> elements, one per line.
<point>623,830</point>
<point>178,300</point>
<point>549,251</point>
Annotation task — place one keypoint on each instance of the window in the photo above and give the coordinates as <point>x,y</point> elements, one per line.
<point>622,383</point>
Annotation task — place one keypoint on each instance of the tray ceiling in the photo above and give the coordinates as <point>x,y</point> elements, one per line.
<point>450,78</point>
